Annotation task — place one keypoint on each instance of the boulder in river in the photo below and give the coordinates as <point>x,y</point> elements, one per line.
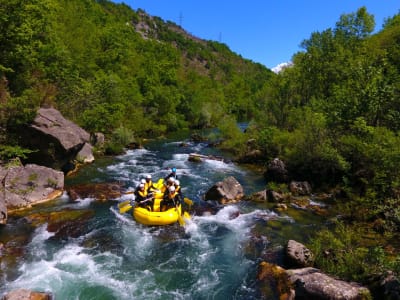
<point>227,191</point>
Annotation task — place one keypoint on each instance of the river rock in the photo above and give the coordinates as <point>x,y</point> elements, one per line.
<point>260,196</point>
<point>298,255</point>
<point>276,171</point>
<point>85,155</point>
<point>310,283</point>
<point>227,191</point>
<point>23,294</point>
<point>300,188</point>
<point>99,191</point>
<point>31,184</point>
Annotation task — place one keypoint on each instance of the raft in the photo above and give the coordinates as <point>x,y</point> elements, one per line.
<point>144,216</point>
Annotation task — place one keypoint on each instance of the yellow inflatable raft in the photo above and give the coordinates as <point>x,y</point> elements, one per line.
<point>146,217</point>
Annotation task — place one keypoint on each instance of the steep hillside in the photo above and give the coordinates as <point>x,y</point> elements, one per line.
<point>110,68</point>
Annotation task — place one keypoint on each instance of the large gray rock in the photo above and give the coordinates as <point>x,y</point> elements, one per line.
<point>56,139</point>
<point>228,190</point>
<point>31,184</point>
<point>50,122</point>
<point>310,283</point>
<point>85,155</point>
<point>298,255</point>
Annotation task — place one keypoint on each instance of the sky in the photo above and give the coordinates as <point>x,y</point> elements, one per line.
<point>265,31</point>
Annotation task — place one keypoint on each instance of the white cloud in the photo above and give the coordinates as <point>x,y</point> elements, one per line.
<point>281,66</point>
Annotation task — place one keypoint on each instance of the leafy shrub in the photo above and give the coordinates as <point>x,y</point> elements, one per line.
<point>343,252</point>
<point>8,152</point>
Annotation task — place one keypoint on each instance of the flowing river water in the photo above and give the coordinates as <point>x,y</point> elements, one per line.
<point>215,256</point>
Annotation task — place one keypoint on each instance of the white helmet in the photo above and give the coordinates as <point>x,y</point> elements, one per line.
<point>143,181</point>
<point>171,180</point>
<point>176,182</point>
<point>141,185</point>
<point>171,189</point>
<point>148,176</point>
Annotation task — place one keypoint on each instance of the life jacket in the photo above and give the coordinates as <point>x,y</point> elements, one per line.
<point>164,188</point>
<point>173,195</point>
<point>142,194</point>
<point>148,186</point>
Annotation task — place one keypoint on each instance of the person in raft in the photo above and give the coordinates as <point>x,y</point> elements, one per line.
<point>171,175</point>
<point>171,199</point>
<point>167,184</point>
<point>178,188</point>
<point>148,185</point>
<point>143,198</point>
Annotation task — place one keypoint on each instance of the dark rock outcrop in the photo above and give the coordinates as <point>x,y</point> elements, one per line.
<point>300,188</point>
<point>276,171</point>
<point>226,191</point>
<point>57,139</point>
<point>31,184</point>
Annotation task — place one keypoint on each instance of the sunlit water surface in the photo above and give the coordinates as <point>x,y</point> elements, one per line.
<point>210,258</point>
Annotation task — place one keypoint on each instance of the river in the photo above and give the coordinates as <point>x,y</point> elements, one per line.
<point>215,256</point>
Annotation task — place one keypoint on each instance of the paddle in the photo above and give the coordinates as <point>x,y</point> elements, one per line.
<point>123,203</point>
<point>180,219</point>
<point>188,201</point>
<point>128,206</point>
<point>125,208</point>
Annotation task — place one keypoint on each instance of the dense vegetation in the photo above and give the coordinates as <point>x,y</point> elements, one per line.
<point>333,116</point>
<point>115,70</point>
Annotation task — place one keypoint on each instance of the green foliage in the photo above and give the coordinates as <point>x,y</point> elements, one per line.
<point>343,253</point>
<point>389,210</point>
<point>89,59</point>
<point>235,139</point>
<point>119,139</point>
<point>8,152</point>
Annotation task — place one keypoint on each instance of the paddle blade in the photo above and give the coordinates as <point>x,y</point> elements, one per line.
<point>181,220</point>
<point>125,208</point>
<point>186,215</point>
<point>188,201</point>
<point>121,204</point>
